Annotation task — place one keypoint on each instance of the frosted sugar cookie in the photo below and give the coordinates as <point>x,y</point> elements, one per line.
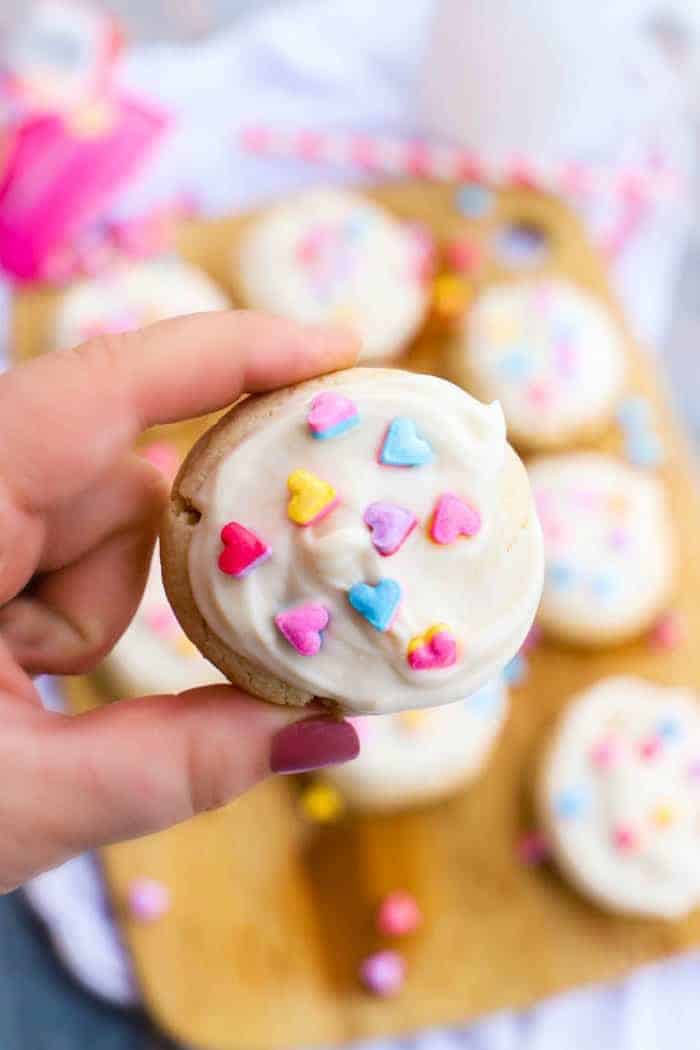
<point>332,255</point>
<point>343,539</point>
<point>620,796</point>
<point>421,755</point>
<point>133,295</point>
<point>552,356</point>
<point>608,547</point>
<point>154,655</point>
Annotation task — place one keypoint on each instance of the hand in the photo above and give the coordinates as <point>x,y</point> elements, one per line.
<point>79,514</point>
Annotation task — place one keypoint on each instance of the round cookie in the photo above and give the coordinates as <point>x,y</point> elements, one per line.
<point>609,550</point>
<point>619,796</point>
<point>132,295</point>
<point>344,526</point>
<point>422,755</point>
<point>154,655</point>
<point>552,356</point>
<point>332,255</point>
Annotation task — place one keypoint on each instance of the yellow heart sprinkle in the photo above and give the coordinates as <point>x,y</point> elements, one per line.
<point>321,803</point>
<point>450,296</point>
<point>185,647</point>
<point>427,636</point>
<point>663,815</point>
<point>311,499</point>
<point>413,720</point>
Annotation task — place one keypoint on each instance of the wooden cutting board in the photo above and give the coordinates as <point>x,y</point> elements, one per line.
<point>271,915</point>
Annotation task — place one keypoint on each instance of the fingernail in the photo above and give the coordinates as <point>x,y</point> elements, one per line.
<point>313,743</point>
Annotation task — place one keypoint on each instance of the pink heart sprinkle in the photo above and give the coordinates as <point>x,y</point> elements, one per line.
<point>302,626</point>
<point>540,395</point>
<point>243,550</point>
<point>453,518</point>
<point>604,753</point>
<point>440,651</point>
<point>329,410</point>
<point>650,748</point>
<point>390,525</point>
<point>162,620</point>
<point>624,838</point>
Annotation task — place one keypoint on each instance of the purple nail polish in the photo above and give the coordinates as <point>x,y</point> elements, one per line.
<point>313,743</point>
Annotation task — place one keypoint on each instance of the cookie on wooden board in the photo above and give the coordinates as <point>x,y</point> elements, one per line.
<point>609,548</point>
<point>550,353</point>
<point>619,796</point>
<point>131,295</point>
<point>333,255</point>
<point>423,755</point>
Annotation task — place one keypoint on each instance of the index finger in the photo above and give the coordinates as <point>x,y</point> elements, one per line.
<point>65,417</point>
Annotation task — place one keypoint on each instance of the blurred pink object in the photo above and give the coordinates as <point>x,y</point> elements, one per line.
<point>148,899</point>
<point>668,632</point>
<point>63,171</point>
<point>383,973</point>
<point>533,848</point>
<point>72,139</point>
<point>398,914</point>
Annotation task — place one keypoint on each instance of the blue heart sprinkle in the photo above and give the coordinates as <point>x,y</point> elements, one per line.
<point>377,604</point>
<point>515,365</point>
<point>560,575</point>
<point>644,450</point>
<point>603,585</point>
<point>403,446</point>
<point>669,728</point>
<point>570,803</point>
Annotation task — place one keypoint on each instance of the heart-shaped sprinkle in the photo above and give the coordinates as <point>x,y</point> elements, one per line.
<point>311,499</point>
<point>377,604</point>
<point>331,414</point>
<point>452,518</point>
<point>390,525</point>
<point>403,446</point>
<point>162,620</point>
<point>302,626</point>
<point>243,550</point>
<point>433,649</point>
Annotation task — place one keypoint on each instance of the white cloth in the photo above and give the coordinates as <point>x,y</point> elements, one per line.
<point>352,64</point>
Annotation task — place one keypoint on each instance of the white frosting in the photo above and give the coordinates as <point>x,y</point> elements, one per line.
<point>608,546</point>
<point>133,295</point>
<point>331,255</point>
<point>154,655</point>
<point>485,588</point>
<point>549,353</point>
<point>621,796</point>
<point>424,754</point>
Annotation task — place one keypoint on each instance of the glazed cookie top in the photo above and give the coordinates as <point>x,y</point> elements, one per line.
<point>132,295</point>
<point>331,255</point>
<point>154,655</point>
<point>372,540</point>
<point>621,796</point>
<point>608,543</point>
<point>550,354</point>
